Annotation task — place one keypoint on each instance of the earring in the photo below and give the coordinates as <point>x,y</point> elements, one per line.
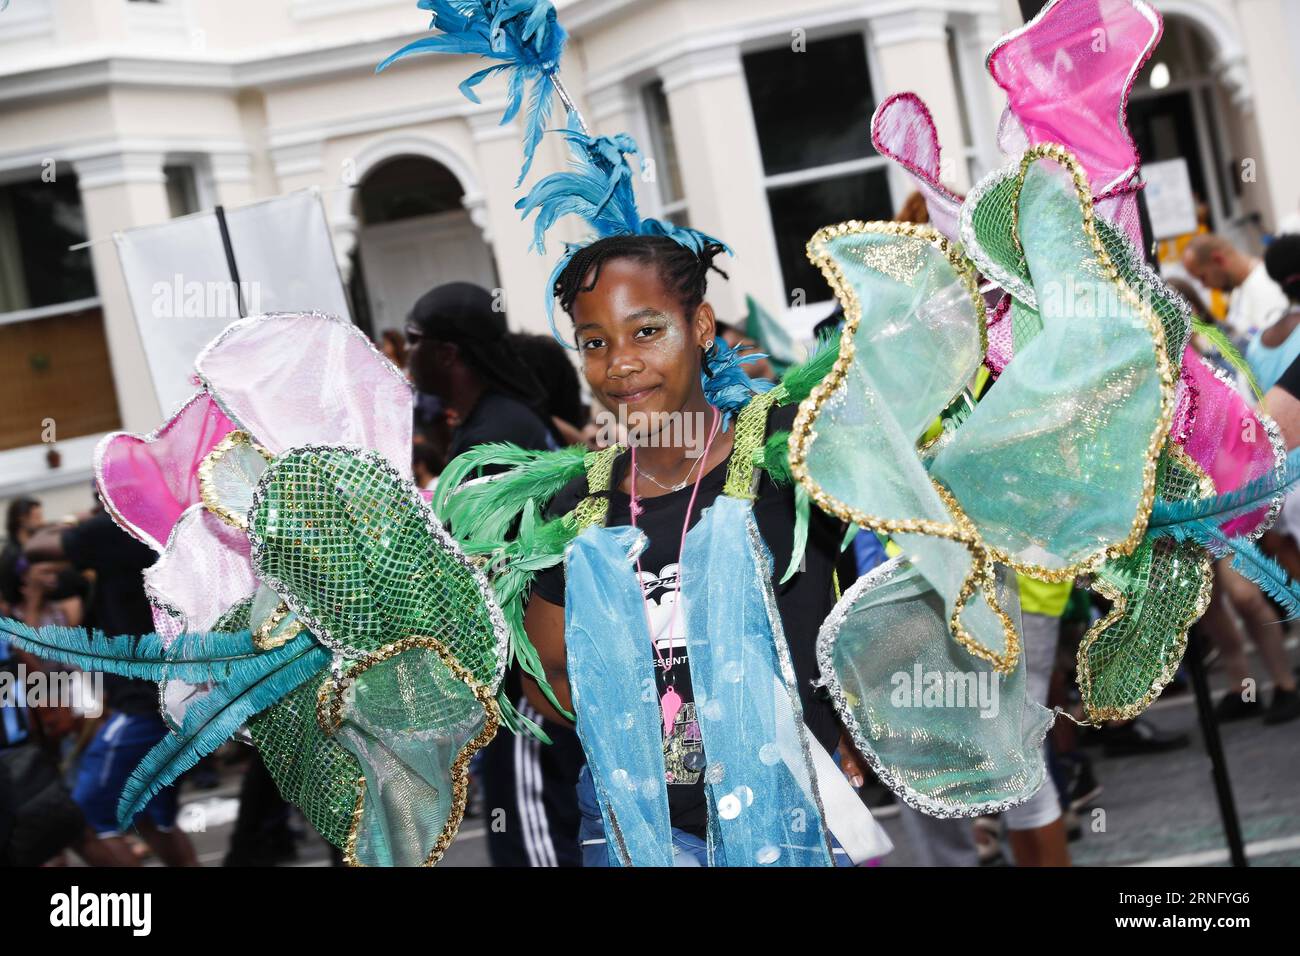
<point>708,346</point>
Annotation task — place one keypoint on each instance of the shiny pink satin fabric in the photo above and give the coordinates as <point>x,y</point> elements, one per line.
<point>1227,440</point>
<point>310,379</point>
<point>148,482</point>
<point>1068,75</point>
<point>903,130</point>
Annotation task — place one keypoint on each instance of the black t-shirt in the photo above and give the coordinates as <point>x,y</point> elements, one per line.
<point>803,603</point>
<point>1290,380</point>
<point>499,418</point>
<point>118,604</point>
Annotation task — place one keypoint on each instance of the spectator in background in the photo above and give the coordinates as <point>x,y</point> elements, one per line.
<point>1256,301</point>
<point>24,516</point>
<point>1275,348</point>
<point>426,466</point>
<point>393,345</point>
<point>462,353</point>
<point>558,380</point>
<point>131,725</point>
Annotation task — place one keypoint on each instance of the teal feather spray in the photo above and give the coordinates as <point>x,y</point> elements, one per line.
<point>251,687</point>
<point>192,658</point>
<point>523,36</point>
<point>598,188</point>
<point>1168,517</point>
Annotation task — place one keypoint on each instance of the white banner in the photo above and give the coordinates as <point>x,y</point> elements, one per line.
<point>182,293</point>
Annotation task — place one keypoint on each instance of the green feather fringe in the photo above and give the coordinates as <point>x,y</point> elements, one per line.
<point>1219,340</point>
<point>798,383</point>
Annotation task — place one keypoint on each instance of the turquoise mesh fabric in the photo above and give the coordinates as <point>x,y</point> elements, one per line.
<point>1052,464</point>
<point>941,729</point>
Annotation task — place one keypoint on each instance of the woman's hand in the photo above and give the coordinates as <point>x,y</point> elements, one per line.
<point>852,763</point>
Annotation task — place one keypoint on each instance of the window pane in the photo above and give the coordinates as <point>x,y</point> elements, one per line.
<point>38,222</point>
<point>664,145</point>
<point>182,191</point>
<point>799,211</point>
<point>812,108</point>
<point>56,368</point>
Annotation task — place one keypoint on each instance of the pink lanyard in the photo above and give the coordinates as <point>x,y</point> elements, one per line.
<point>670,703</point>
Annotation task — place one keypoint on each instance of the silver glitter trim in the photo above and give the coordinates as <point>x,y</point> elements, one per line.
<point>434,526</point>
<point>977,254</point>
<point>1279,471</point>
<point>826,638</point>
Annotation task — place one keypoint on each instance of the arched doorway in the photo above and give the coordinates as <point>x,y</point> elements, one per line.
<point>1189,103</point>
<point>415,233</point>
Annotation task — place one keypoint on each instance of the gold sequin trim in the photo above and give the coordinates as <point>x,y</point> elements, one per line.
<point>982,554</point>
<point>961,530</point>
<point>264,638</point>
<point>207,494</point>
<point>329,715</point>
<point>1119,607</point>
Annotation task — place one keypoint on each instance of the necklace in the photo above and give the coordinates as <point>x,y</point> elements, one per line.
<point>671,702</point>
<point>681,484</point>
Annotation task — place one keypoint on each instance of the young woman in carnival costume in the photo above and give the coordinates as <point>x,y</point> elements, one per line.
<point>306,596</point>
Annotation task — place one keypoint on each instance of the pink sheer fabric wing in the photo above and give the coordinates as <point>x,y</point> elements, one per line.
<point>148,481</point>
<point>1228,440</point>
<point>1001,337</point>
<point>1068,73</point>
<point>204,572</point>
<point>903,130</point>
<point>310,379</point>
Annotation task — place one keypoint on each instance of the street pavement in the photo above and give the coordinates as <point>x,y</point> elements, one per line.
<point>1154,810</point>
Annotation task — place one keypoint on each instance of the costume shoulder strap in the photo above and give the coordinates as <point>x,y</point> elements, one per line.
<point>593,509</point>
<point>751,432</point>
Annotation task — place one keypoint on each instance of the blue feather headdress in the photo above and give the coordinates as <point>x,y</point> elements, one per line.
<point>598,188</point>
<point>523,34</point>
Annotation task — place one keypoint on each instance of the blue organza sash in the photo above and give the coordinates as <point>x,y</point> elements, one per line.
<point>763,802</point>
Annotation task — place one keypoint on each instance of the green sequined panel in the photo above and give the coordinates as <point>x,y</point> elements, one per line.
<point>363,562</point>
<point>993,221</point>
<point>1160,590</point>
<point>310,769</point>
<point>1173,317</point>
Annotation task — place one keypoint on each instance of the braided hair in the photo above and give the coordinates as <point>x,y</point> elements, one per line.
<point>682,271</point>
<point>1282,262</point>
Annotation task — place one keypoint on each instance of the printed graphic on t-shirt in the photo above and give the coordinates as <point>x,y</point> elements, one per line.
<point>683,748</point>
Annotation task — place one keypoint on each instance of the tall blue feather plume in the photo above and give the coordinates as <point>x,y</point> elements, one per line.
<point>524,35</point>
<point>251,687</point>
<point>599,189</point>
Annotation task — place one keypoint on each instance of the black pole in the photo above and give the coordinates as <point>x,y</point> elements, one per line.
<point>1195,661</point>
<point>230,260</point>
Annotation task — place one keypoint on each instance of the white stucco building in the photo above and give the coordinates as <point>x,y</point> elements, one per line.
<point>117,113</point>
